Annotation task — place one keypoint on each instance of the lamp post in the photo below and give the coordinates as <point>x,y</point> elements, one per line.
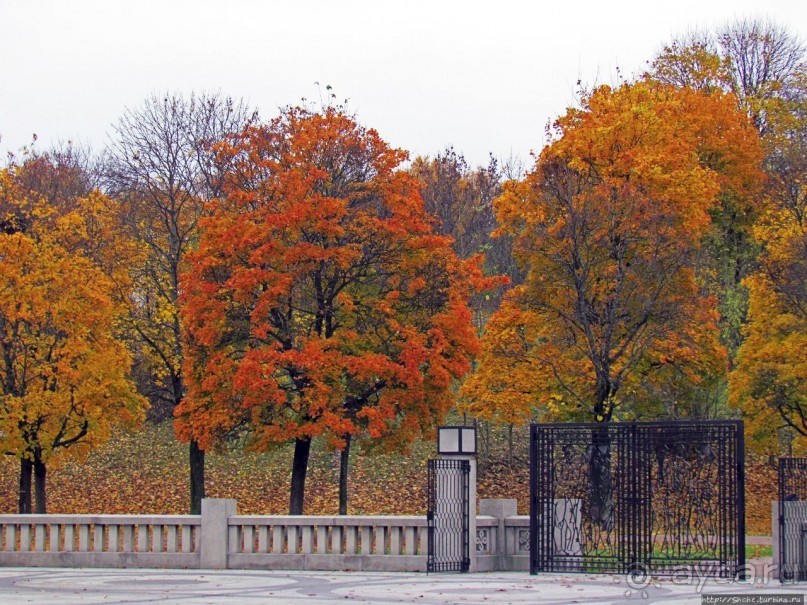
<point>459,443</point>
<point>456,440</point>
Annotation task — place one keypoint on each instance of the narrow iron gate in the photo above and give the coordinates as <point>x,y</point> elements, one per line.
<point>655,498</point>
<point>448,515</point>
<point>792,519</point>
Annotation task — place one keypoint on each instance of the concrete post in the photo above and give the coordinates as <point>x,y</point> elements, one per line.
<point>472,511</point>
<point>501,509</point>
<point>471,507</point>
<point>214,531</point>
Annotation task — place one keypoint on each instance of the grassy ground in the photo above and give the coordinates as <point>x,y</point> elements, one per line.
<point>145,472</point>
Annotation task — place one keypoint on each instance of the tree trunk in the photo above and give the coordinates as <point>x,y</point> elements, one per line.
<point>344,466</point>
<point>26,467</point>
<point>40,475</point>
<point>197,470</point>
<point>302,449</point>
<point>510,445</point>
<point>602,492</point>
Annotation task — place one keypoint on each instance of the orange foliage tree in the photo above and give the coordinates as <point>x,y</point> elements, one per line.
<point>608,227</point>
<point>63,373</point>
<point>320,300</point>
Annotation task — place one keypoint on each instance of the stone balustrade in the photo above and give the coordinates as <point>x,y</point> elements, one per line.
<point>220,538</point>
<point>100,540</point>
<point>382,543</point>
<point>502,537</point>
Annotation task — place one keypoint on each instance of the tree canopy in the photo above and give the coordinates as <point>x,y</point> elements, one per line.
<point>608,227</point>
<point>321,301</point>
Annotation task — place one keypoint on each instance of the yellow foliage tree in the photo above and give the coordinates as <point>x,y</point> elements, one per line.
<point>63,373</point>
<point>768,383</point>
<point>608,228</point>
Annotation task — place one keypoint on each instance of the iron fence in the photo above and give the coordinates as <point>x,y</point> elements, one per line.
<point>650,497</point>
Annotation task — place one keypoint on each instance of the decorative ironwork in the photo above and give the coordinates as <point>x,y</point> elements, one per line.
<point>448,515</point>
<point>792,520</point>
<point>523,540</point>
<point>660,497</point>
<point>483,540</point>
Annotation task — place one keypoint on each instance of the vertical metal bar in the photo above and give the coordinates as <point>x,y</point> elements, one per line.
<point>782,542</point>
<point>429,516</point>
<point>740,441</point>
<point>466,475</point>
<point>533,503</point>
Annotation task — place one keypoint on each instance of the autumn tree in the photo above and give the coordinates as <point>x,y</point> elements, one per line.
<point>761,64</point>
<point>461,199</point>
<point>64,374</point>
<point>161,168</point>
<point>608,227</point>
<point>768,383</point>
<point>320,301</point>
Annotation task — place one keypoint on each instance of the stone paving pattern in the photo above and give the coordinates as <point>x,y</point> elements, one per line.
<point>192,587</point>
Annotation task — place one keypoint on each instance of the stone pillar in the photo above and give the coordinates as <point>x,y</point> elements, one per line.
<point>472,511</point>
<point>501,509</point>
<point>215,532</point>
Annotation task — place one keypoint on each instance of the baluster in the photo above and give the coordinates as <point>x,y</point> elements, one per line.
<point>54,538</point>
<point>249,538</point>
<point>112,534</point>
<point>69,537</point>
<point>25,537</point>
<point>350,540</point>
<point>156,538</point>
<point>336,540</point>
<point>128,538</point>
<point>308,532</point>
<point>39,537</point>
<point>380,540</point>
<point>263,538</point>
<point>171,538</point>
<point>11,538</point>
<point>142,538</point>
<point>322,539</point>
<point>410,545</point>
<point>293,545</point>
<point>187,545</point>
<point>98,538</point>
<point>84,537</point>
<point>366,540</point>
<point>277,539</point>
<point>395,540</point>
<point>234,539</point>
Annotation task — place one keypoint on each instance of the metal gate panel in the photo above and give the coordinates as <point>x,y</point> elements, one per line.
<point>448,515</point>
<point>792,520</point>
<point>659,498</point>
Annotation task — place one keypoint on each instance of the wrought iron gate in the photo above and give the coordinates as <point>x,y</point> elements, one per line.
<point>654,498</point>
<point>792,519</point>
<point>448,515</point>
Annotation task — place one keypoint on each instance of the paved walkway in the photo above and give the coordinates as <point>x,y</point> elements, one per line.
<point>131,587</point>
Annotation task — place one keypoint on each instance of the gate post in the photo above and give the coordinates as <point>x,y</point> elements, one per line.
<point>214,545</point>
<point>472,511</point>
<point>452,496</point>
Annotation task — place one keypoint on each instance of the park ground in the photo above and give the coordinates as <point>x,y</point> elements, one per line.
<point>88,587</point>
<point>145,472</point>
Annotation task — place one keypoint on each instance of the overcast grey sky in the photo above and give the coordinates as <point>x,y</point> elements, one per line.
<point>483,76</point>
